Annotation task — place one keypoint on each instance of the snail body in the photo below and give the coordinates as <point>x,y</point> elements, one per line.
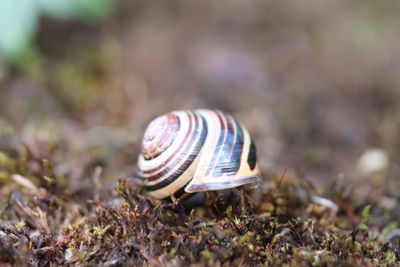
<point>195,151</point>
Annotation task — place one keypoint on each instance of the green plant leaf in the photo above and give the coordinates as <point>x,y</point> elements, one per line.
<point>18,25</point>
<point>91,10</point>
<point>19,21</point>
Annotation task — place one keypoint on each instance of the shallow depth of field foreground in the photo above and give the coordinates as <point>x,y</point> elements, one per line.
<point>317,85</point>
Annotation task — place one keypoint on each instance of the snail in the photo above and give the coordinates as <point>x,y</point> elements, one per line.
<point>194,151</point>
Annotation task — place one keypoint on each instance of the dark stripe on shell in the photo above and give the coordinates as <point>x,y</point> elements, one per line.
<point>239,144</point>
<point>227,163</point>
<point>252,156</point>
<point>170,179</point>
<point>178,150</point>
<point>235,157</point>
<point>219,145</point>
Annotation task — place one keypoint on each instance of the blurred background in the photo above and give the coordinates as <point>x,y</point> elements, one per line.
<point>317,83</point>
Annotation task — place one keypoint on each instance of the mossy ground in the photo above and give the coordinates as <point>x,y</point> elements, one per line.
<point>286,222</point>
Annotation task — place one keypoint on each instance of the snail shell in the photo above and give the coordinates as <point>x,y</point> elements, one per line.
<point>196,150</point>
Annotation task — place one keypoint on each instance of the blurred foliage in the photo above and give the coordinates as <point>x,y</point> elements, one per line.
<point>19,20</point>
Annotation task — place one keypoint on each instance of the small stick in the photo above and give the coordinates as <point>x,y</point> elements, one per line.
<point>96,180</point>
<point>252,204</point>
<point>25,182</point>
<point>209,201</point>
<point>242,202</point>
<point>173,199</point>
<point>282,177</point>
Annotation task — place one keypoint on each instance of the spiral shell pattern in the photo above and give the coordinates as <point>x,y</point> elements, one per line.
<point>198,150</point>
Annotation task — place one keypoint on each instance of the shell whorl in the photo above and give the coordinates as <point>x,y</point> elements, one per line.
<point>159,135</point>
<point>196,150</point>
